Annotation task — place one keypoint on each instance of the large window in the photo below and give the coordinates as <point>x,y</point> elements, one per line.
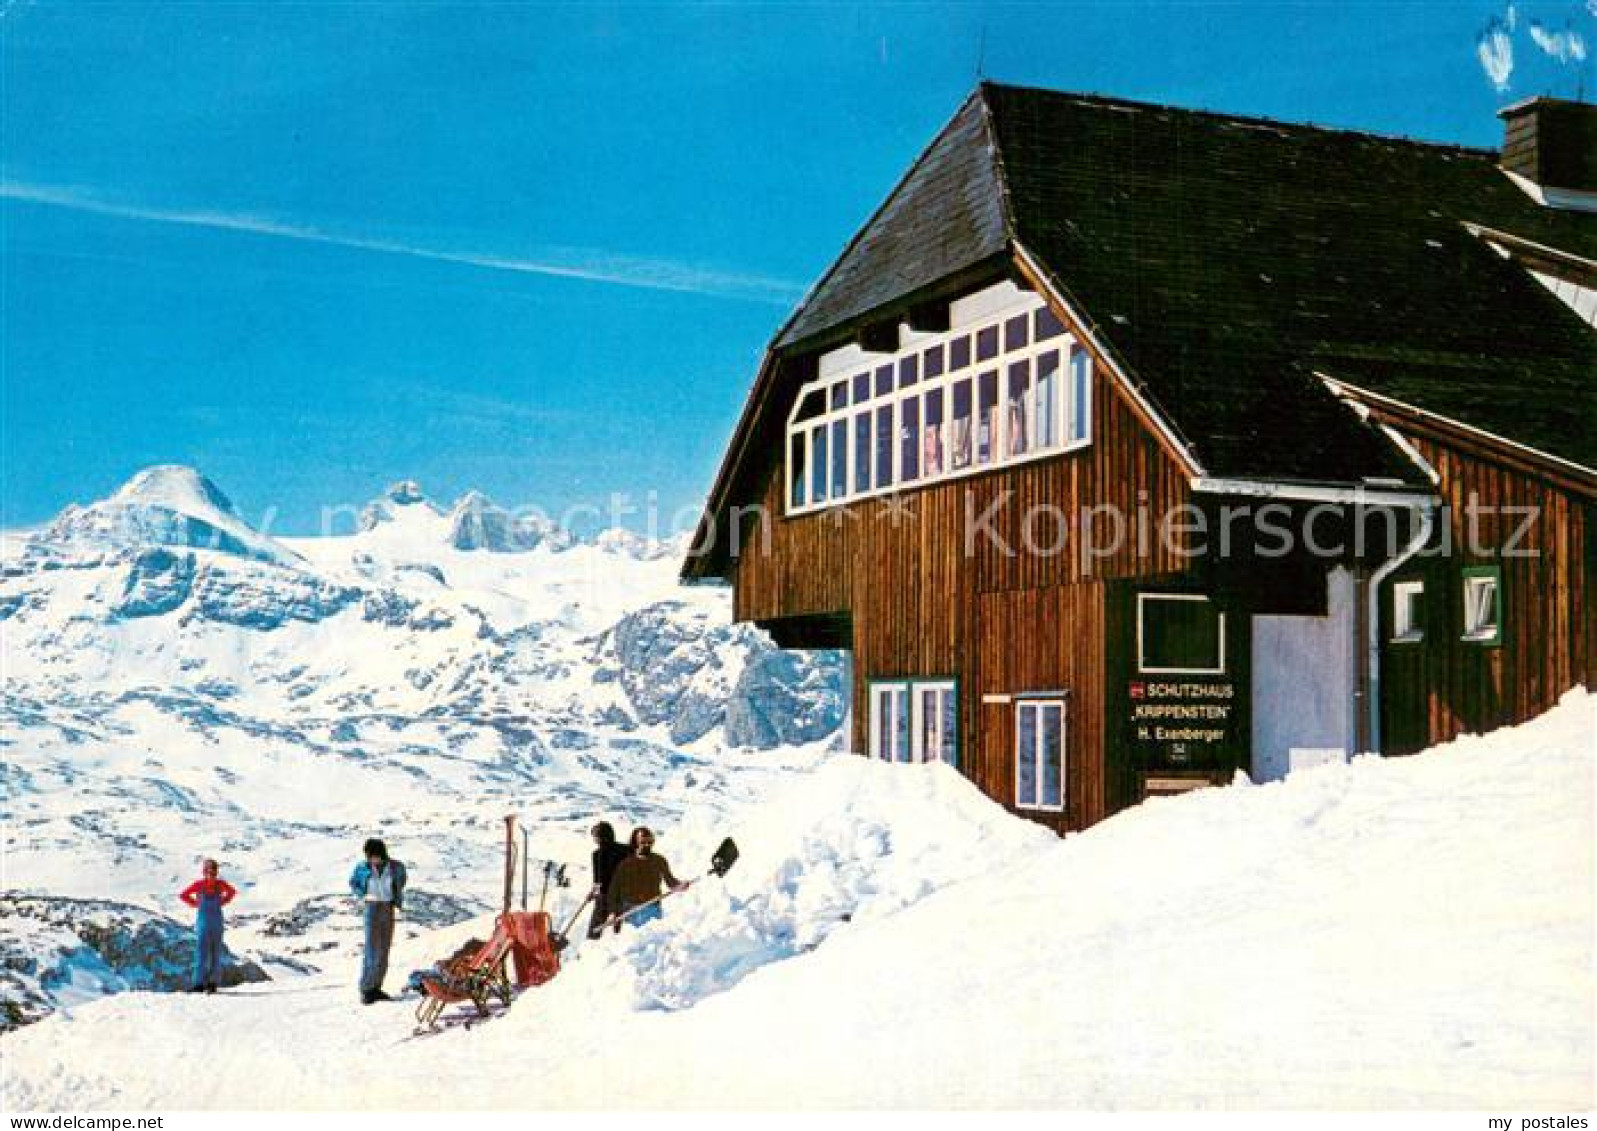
<point>1040,753</point>
<point>1179,634</point>
<point>915,721</point>
<point>1009,387</point>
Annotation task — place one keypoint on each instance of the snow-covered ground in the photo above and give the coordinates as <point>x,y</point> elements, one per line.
<point>1408,933</point>
<point>179,685</point>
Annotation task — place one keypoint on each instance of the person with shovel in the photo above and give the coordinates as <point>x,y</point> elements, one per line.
<point>638,883</point>
<point>607,857</point>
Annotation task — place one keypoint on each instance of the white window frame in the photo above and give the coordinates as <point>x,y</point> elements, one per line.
<point>1406,628</point>
<point>908,692</point>
<point>1142,666</point>
<point>1037,703</point>
<point>1066,411</point>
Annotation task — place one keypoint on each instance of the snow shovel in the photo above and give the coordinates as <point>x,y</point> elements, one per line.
<point>562,938</point>
<point>720,864</point>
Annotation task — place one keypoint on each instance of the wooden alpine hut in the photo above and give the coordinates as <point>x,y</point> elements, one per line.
<point>1126,447</point>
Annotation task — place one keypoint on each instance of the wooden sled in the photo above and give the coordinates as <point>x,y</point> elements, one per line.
<point>482,974</point>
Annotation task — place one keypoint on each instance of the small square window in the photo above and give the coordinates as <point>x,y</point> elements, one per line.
<point>1483,605</point>
<point>1179,633</point>
<point>1408,612</point>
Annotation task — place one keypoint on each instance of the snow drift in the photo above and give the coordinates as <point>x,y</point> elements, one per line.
<point>1409,933</point>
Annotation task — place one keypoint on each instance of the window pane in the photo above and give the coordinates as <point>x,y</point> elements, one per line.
<point>950,728</point>
<point>959,439</point>
<point>1179,634</point>
<point>818,464</point>
<point>812,406</point>
<point>1021,408</point>
<point>1047,325</point>
<point>901,721</point>
<point>839,458</point>
<point>840,395</point>
<point>1052,753</point>
<point>1048,406</point>
<point>958,353</point>
<point>884,380</point>
<point>986,416</point>
<point>932,435</point>
<point>987,343</point>
<point>932,362</point>
<point>884,446</point>
<point>862,452</point>
<point>882,705</point>
<point>795,469</point>
<point>909,456</point>
<point>1080,394</point>
<point>1026,754</point>
<point>1015,332</point>
<point>1480,606</point>
<point>862,387</point>
<point>908,371</point>
<point>931,724</point>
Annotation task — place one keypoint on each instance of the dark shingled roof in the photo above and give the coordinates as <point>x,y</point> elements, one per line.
<point>945,216</point>
<point>1226,261</point>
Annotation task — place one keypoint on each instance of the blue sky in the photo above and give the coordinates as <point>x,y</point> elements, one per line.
<point>311,249</point>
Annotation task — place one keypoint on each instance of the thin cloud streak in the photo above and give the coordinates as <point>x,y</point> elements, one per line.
<point>625,271</point>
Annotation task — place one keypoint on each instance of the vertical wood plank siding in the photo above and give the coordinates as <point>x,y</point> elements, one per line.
<point>1443,685</point>
<point>1004,617</point>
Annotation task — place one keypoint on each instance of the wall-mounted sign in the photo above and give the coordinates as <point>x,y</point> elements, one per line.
<point>1182,722</point>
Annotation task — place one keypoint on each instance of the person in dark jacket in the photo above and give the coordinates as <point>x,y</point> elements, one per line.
<point>207,895</point>
<point>380,883</point>
<point>607,855</point>
<point>640,879</point>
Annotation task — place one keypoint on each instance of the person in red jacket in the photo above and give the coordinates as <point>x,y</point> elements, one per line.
<point>207,895</point>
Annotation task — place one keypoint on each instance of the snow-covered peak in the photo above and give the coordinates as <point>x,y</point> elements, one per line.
<point>407,492</point>
<point>398,501</point>
<point>178,488</point>
<point>163,506</point>
<point>619,540</point>
<point>477,523</point>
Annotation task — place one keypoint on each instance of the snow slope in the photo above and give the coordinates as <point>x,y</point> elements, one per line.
<point>1407,933</point>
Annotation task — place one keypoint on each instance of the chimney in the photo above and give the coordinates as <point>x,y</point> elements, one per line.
<point>1552,143</point>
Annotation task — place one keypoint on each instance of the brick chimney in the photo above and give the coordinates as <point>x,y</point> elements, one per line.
<point>1552,143</point>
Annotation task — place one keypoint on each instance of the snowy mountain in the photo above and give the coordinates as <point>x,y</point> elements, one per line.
<point>1412,933</point>
<point>179,685</point>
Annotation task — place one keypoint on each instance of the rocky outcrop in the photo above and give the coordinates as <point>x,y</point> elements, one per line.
<point>54,948</point>
<point>158,581</point>
<point>476,523</point>
<point>787,698</point>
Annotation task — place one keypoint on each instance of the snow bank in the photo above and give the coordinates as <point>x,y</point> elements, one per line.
<point>1412,933</point>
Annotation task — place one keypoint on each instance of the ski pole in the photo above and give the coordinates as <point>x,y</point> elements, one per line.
<point>525,835</point>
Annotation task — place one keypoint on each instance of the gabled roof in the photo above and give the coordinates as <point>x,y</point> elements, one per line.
<point>1224,263</point>
<point>944,217</point>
